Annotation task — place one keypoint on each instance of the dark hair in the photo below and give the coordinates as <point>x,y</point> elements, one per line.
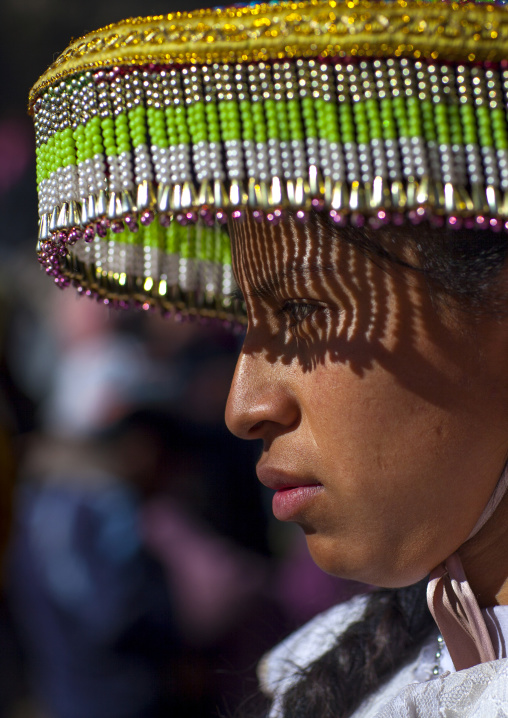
<point>462,267</point>
<point>371,649</point>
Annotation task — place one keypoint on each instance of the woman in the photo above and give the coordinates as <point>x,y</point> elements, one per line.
<point>358,153</point>
<point>380,398</point>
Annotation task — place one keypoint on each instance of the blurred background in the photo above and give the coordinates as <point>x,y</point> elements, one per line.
<point>142,572</point>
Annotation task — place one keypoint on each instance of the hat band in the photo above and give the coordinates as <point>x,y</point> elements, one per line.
<point>147,163</point>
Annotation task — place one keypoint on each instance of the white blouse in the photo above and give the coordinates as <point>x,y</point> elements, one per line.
<point>426,687</point>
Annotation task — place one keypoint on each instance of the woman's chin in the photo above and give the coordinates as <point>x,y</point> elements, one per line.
<point>354,564</point>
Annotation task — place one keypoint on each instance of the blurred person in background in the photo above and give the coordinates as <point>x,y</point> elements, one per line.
<point>129,601</point>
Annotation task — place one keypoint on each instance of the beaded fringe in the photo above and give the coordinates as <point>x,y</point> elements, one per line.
<point>145,165</point>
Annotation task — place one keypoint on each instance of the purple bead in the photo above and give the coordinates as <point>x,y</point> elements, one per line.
<point>318,204</point>
<point>338,218</point>
<point>100,230</point>
<point>164,220</point>
<point>105,223</point>
<point>436,220</point>
<point>75,235</point>
<point>147,217</point>
<point>117,226</point>
<point>89,234</point>
<point>237,214</point>
<point>357,219</point>
<point>469,223</point>
<point>415,216</point>
<point>182,219</point>
<point>258,215</point>
<point>276,216</point>
<point>206,215</point>
<point>481,221</point>
<point>221,216</point>
<point>301,216</point>
<point>375,222</point>
<point>61,236</point>
<point>495,224</point>
<point>131,222</point>
<point>454,222</point>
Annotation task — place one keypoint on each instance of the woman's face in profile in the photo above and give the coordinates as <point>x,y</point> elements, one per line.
<point>383,416</point>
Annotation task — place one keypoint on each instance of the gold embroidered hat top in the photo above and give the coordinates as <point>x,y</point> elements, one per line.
<point>154,133</point>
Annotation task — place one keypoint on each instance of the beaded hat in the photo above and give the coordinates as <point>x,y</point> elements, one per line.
<point>154,133</point>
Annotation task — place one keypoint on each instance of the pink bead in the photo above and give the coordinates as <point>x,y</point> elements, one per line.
<point>318,204</point>
<point>237,214</point>
<point>301,216</point>
<point>221,216</point>
<point>258,215</point>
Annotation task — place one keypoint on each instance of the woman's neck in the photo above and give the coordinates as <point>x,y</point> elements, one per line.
<point>485,559</point>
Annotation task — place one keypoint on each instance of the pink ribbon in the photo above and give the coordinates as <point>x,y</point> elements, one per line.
<point>458,615</point>
<point>453,603</point>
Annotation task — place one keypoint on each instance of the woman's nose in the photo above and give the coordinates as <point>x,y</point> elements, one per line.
<point>260,403</point>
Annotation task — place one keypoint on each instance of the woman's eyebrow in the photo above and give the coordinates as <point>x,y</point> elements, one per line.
<point>306,271</point>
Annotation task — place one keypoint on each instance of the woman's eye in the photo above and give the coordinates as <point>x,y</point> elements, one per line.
<point>297,312</point>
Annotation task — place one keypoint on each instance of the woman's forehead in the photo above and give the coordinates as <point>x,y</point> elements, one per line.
<point>284,252</point>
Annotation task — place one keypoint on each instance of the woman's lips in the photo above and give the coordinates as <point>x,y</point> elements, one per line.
<point>288,503</point>
<point>292,494</point>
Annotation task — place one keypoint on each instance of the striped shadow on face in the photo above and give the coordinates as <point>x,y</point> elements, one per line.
<point>318,294</point>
